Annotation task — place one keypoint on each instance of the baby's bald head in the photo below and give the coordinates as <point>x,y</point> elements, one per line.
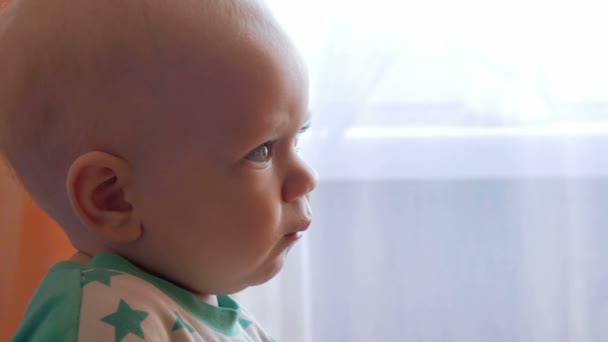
<point>117,76</point>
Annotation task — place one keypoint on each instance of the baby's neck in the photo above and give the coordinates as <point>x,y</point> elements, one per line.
<point>80,258</point>
<point>209,299</point>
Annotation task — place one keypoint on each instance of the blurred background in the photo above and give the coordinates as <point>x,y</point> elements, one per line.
<point>461,152</point>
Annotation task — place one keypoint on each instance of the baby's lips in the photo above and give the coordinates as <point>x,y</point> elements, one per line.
<point>305,225</point>
<point>301,227</point>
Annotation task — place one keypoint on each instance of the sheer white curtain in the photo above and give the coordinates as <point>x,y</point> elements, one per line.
<point>461,151</point>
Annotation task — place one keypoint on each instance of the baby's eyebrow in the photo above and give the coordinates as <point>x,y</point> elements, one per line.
<point>307,123</point>
<point>306,126</point>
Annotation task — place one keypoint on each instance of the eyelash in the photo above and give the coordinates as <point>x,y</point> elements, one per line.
<point>269,146</point>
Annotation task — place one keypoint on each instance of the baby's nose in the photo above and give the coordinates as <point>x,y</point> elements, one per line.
<point>302,180</point>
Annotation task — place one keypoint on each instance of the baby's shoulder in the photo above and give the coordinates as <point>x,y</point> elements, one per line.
<point>76,303</point>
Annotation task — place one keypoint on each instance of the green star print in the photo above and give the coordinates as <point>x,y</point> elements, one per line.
<point>98,275</point>
<point>245,323</point>
<point>126,321</point>
<point>180,323</point>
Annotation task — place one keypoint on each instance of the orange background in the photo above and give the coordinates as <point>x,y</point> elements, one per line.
<point>30,242</point>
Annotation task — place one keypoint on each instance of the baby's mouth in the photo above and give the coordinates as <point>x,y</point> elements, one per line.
<point>293,236</point>
<point>297,234</point>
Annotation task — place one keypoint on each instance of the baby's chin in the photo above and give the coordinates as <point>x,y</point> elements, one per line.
<point>259,277</point>
<point>270,270</point>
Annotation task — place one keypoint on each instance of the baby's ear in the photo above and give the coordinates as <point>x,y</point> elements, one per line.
<point>97,186</point>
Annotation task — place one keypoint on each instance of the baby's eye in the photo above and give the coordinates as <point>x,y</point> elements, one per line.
<point>261,154</point>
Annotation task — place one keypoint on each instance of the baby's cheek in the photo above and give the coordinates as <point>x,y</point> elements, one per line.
<point>258,226</point>
<point>258,207</point>
<point>269,221</point>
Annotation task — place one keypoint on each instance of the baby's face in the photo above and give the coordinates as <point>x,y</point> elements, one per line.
<point>225,195</point>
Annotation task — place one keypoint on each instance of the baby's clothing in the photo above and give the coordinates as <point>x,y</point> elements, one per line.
<point>111,300</point>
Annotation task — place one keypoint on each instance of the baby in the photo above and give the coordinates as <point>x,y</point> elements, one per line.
<point>162,136</point>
